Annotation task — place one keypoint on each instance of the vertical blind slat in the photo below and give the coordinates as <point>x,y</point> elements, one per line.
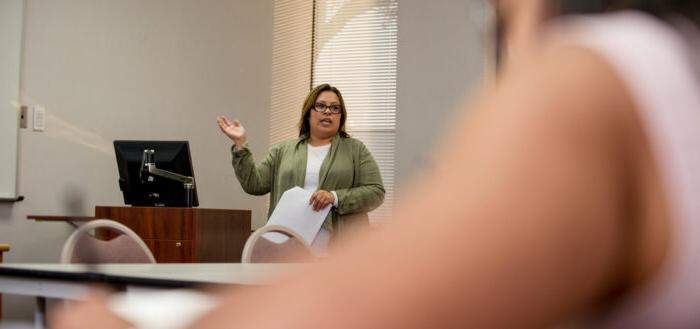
<point>355,49</point>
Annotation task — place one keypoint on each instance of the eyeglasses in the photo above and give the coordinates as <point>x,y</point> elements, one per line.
<point>321,108</point>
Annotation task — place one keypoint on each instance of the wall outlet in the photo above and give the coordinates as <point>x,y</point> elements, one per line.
<point>23,110</point>
<point>39,122</point>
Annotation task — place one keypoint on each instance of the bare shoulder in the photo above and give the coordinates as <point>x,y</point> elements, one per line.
<point>569,85</point>
<point>558,96</point>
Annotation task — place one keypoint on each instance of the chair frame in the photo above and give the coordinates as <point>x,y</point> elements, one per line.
<point>253,238</point>
<point>69,246</point>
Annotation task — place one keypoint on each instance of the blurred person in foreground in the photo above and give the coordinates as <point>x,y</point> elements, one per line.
<point>565,195</point>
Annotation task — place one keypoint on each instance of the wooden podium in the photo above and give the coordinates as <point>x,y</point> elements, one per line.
<point>185,235</point>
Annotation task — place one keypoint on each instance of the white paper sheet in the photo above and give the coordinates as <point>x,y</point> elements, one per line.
<point>294,211</point>
<point>162,309</point>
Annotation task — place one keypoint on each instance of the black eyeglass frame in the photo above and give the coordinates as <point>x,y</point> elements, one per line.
<point>332,108</point>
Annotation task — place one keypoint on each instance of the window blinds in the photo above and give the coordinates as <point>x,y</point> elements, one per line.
<point>355,49</point>
<point>291,66</point>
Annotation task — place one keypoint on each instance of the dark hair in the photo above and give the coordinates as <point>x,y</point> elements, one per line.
<point>659,8</point>
<point>304,128</point>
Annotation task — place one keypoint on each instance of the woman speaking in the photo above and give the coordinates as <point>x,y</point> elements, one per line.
<point>324,158</point>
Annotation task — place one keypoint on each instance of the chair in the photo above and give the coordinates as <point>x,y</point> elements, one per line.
<point>86,248</point>
<point>260,250</point>
<point>127,247</point>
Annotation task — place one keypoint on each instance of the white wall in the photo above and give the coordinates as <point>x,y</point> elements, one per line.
<point>132,69</point>
<point>10,47</point>
<point>441,57</point>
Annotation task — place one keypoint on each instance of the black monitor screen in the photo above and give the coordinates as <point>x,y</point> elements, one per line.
<point>173,156</point>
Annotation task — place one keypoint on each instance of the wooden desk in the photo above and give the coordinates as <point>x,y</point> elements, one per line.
<point>71,220</point>
<point>178,235</point>
<point>4,247</point>
<point>186,235</point>
<point>45,218</point>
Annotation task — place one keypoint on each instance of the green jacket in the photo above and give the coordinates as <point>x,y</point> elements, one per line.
<point>349,169</point>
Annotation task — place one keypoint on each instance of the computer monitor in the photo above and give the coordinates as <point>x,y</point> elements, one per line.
<point>141,188</point>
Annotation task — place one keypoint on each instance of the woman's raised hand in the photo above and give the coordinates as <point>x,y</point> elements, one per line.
<point>233,129</point>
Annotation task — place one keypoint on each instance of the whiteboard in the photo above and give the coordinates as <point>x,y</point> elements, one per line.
<point>11,12</point>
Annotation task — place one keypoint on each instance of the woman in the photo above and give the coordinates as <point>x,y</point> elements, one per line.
<point>324,158</point>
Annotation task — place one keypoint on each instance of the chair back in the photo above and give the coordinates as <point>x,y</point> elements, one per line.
<point>295,249</point>
<point>127,247</point>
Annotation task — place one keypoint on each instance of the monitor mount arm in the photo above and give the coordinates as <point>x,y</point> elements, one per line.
<point>148,170</point>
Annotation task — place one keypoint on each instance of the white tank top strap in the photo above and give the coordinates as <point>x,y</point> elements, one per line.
<point>655,63</point>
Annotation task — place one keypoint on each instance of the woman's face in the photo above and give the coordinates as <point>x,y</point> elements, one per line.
<point>323,123</point>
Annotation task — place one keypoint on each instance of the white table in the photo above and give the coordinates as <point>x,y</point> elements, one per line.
<point>70,281</point>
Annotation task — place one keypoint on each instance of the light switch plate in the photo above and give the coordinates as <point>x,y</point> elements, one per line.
<point>39,122</point>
